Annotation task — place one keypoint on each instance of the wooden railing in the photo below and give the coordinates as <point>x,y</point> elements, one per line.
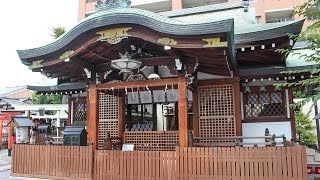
<point>55,162</point>
<point>231,141</point>
<point>236,163</point>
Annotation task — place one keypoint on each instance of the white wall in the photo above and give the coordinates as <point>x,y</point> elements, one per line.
<point>258,129</point>
<point>22,134</point>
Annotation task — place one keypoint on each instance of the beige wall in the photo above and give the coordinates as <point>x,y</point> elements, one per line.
<point>262,6</point>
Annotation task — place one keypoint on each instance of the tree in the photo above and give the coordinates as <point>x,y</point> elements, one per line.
<point>57,31</point>
<point>46,99</point>
<point>305,129</point>
<point>309,10</point>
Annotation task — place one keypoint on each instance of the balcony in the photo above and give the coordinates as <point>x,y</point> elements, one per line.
<point>279,15</point>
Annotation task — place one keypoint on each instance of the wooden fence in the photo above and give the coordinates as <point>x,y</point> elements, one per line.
<point>56,162</point>
<point>236,163</point>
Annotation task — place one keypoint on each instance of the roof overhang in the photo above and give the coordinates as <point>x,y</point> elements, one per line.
<point>88,29</point>
<point>108,29</point>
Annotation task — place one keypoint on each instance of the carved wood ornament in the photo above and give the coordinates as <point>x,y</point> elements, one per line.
<point>114,36</point>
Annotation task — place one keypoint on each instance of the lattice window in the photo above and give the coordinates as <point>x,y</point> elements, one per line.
<point>79,109</point>
<point>264,104</point>
<point>216,112</point>
<point>108,106</point>
<point>216,100</point>
<point>108,117</point>
<point>217,127</point>
<point>107,126</point>
<point>153,141</point>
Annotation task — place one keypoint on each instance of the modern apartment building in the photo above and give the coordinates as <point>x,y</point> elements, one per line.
<point>266,11</point>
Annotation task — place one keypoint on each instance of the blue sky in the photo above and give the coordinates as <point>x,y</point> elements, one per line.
<point>27,24</point>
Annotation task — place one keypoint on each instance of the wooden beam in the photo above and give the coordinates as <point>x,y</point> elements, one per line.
<point>237,107</point>
<point>183,112</point>
<point>175,53</point>
<point>195,110</point>
<point>156,61</point>
<point>92,121</point>
<point>82,63</point>
<point>216,71</point>
<point>150,83</point>
<point>218,81</point>
<point>212,55</point>
<point>121,116</point>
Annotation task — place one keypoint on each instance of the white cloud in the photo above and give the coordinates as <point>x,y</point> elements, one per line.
<point>25,25</point>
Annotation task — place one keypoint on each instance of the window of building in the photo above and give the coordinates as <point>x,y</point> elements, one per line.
<point>264,104</point>
<point>283,19</point>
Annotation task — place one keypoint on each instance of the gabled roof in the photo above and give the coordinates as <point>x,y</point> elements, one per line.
<point>20,122</point>
<point>12,102</point>
<point>9,90</point>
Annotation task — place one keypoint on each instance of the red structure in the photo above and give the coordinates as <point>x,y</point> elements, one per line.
<point>5,116</point>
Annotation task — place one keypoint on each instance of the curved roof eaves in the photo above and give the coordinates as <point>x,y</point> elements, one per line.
<point>129,16</point>
<point>267,31</point>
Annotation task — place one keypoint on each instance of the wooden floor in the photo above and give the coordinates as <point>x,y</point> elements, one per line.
<point>236,163</point>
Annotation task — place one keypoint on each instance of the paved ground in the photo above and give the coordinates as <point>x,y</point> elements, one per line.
<point>4,164</point>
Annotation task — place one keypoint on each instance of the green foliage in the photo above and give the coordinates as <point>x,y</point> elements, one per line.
<point>305,129</point>
<point>57,32</point>
<point>312,36</point>
<point>46,99</point>
<point>299,94</point>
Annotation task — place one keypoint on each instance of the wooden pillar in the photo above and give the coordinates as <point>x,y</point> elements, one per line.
<point>196,116</point>
<point>237,107</point>
<point>129,116</point>
<point>154,105</point>
<point>176,116</point>
<point>10,140</point>
<point>292,117</point>
<point>154,116</point>
<point>92,121</point>
<point>122,105</point>
<point>183,112</point>
<point>141,113</point>
<point>70,109</point>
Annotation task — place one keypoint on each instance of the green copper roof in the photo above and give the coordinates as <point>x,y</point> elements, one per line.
<point>244,22</point>
<point>117,16</point>
<point>140,12</point>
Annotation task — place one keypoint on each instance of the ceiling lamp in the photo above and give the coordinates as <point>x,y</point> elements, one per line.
<point>125,64</point>
<point>153,76</point>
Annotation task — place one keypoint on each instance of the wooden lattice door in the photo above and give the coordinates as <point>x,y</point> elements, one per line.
<point>108,117</point>
<point>216,110</point>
